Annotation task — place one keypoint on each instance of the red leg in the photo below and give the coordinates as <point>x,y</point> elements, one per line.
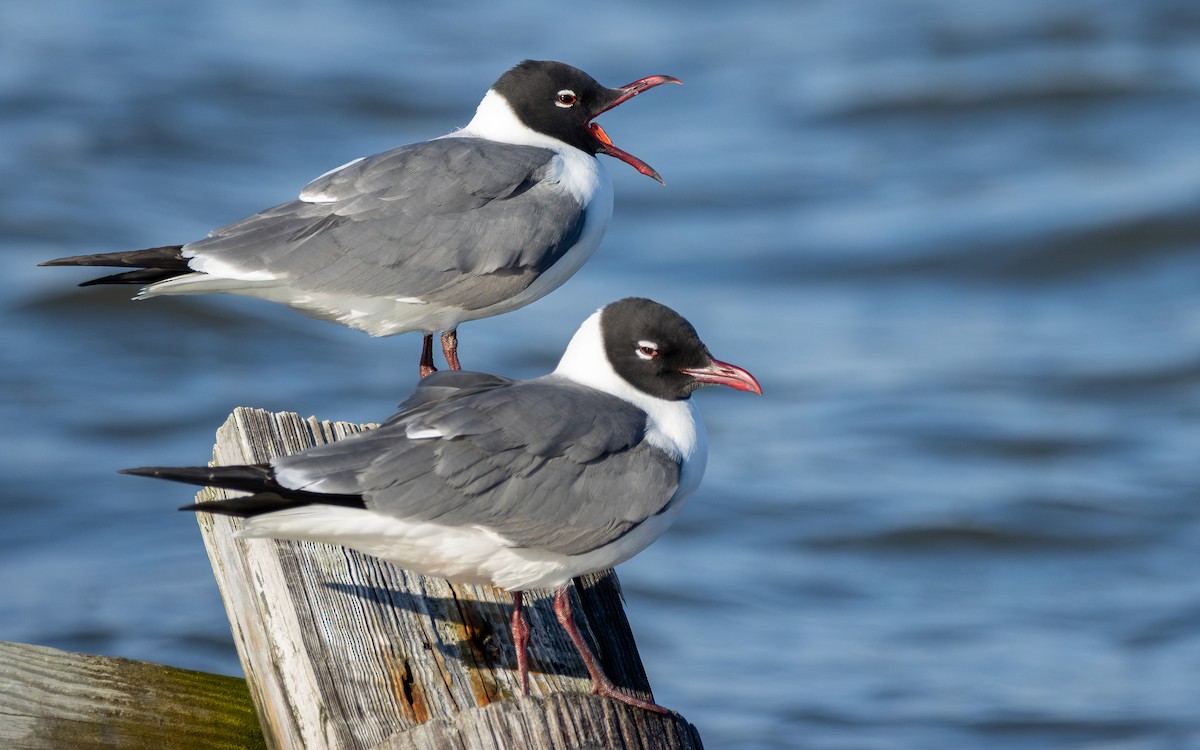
<point>427,356</point>
<point>520,633</point>
<point>600,682</point>
<point>450,348</point>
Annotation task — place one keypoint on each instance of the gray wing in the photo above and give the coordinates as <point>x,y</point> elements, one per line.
<point>543,463</point>
<point>444,385</point>
<point>454,218</point>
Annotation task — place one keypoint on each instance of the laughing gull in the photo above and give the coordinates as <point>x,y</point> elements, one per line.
<point>521,484</point>
<point>475,223</point>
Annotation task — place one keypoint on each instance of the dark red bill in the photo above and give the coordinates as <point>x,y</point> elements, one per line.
<point>723,373</point>
<point>637,87</point>
<point>606,145</point>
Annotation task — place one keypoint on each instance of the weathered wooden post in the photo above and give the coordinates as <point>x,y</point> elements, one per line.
<point>52,699</point>
<point>342,650</point>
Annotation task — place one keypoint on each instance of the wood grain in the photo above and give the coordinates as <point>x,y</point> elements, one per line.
<point>56,699</point>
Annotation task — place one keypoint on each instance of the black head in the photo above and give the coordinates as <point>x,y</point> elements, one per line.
<point>560,101</point>
<point>657,351</point>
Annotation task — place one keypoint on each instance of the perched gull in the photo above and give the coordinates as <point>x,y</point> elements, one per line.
<point>522,484</point>
<point>475,223</point>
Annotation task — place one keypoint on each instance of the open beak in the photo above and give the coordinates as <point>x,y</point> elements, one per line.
<point>605,144</point>
<point>637,87</point>
<point>723,373</point>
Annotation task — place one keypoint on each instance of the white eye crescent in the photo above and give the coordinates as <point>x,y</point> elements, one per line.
<point>646,350</point>
<point>565,99</point>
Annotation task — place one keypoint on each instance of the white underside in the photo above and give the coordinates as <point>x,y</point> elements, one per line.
<point>580,174</point>
<point>460,554</point>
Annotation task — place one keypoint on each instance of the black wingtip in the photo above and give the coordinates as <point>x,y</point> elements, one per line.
<point>140,277</point>
<point>99,259</point>
<point>73,260</point>
<point>257,504</point>
<point>251,478</point>
<point>258,479</point>
<point>237,507</point>
<point>164,257</point>
<point>173,473</point>
<point>142,471</point>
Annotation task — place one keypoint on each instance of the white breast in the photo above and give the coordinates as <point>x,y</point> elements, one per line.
<point>580,174</point>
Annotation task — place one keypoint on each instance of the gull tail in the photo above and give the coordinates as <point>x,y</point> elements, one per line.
<point>151,265</point>
<point>268,495</point>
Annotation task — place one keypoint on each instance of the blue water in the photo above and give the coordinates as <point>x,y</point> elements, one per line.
<point>958,243</point>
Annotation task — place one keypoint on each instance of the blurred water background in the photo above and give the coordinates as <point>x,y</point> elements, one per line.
<point>956,241</point>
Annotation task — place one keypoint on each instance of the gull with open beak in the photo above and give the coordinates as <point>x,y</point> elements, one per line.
<point>476,223</point>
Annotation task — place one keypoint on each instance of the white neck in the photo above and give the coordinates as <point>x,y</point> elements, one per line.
<point>585,362</point>
<point>495,120</point>
<point>673,426</point>
<point>578,172</point>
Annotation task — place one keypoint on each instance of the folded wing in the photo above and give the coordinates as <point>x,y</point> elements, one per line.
<point>458,219</point>
<point>544,464</point>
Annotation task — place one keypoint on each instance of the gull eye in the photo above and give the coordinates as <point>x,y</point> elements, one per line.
<point>646,350</point>
<point>565,99</point>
